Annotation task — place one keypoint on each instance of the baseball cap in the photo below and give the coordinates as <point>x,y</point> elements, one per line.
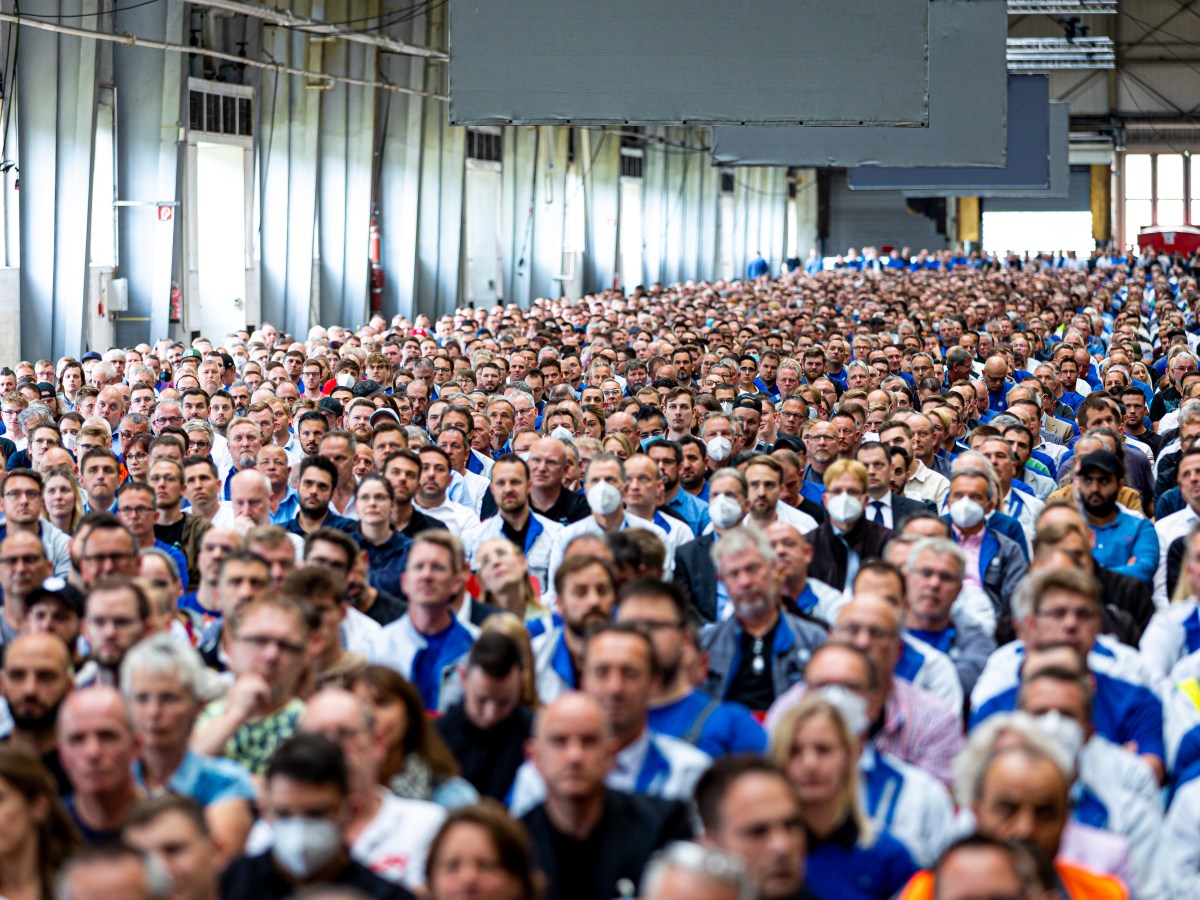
<point>384,414</point>
<point>193,354</point>
<point>1104,460</point>
<point>57,588</point>
<point>329,405</point>
<point>45,388</point>
<point>366,388</point>
<point>91,354</point>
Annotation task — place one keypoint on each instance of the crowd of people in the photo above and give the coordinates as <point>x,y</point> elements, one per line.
<point>859,583</point>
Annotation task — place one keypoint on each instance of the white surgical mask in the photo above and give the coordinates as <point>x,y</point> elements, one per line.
<point>719,448</point>
<point>844,508</point>
<point>603,498</point>
<point>304,845</point>
<point>725,512</point>
<point>966,513</point>
<point>346,379</point>
<point>562,434</point>
<point>1066,732</point>
<point>727,406</point>
<point>852,707</point>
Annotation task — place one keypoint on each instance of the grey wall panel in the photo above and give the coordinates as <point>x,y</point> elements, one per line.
<point>874,218</point>
<point>601,198</point>
<point>1060,163</point>
<point>830,62</point>
<point>149,112</point>
<point>533,205</point>
<point>56,132</point>
<point>1027,155</point>
<point>1078,198</point>
<point>968,98</point>
<point>680,206</point>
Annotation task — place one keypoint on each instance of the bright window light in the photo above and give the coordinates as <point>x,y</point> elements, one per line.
<point>1048,232</point>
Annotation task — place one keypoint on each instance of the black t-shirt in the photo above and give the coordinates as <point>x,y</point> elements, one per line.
<point>517,537</point>
<point>256,878</point>
<point>753,684</point>
<point>171,535</point>
<point>569,507</point>
<point>421,522</point>
<point>488,759</point>
<point>386,608</point>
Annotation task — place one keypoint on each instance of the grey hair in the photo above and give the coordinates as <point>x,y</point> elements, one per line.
<point>734,425</point>
<point>713,865</point>
<point>739,540</point>
<point>730,472</point>
<point>943,547</point>
<point>417,436</point>
<point>1189,414</point>
<point>198,425</point>
<point>988,475</point>
<point>159,883</point>
<point>34,414</point>
<point>165,557</point>
<point>162,654</point>
<point>973,760</point>
<point>606,457</point>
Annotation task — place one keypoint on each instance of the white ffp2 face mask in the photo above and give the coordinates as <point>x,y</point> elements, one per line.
<point>966,513</point>
<point>603,498</point>
<point>844,508</point>
<point>719,448</point>
<point>725,512</point>
<point>305,845</point>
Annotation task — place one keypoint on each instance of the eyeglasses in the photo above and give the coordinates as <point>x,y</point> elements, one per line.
<point>107,557</point>
<point>136,457</point>
<point>1062,613</point>
<point>14,494</point>
<point>136,510</point>
<point>28,559</point>
<point>874,632</point>
<point>943,577</point>
<point>169,420</point>
<point>262,642</point>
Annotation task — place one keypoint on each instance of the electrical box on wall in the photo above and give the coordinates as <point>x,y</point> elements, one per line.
<point>118,295</point>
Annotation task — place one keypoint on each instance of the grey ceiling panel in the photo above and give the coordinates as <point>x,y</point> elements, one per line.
<point>968,98</point>
<point>704,62</point>
<point>1060,164</point>
<point>1027,156</point>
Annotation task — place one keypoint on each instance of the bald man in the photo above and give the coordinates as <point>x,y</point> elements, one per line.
<point>574,751</point>
<point>97,746</point>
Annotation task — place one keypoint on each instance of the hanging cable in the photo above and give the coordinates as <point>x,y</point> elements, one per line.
<point>132,40</point>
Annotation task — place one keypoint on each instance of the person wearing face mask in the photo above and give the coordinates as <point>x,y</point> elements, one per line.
<point>846,537</point>
<point>306,801</point>
<point>695,571</point>
<point>995,563</point>
<point>605,484</point>
<point>722,440</point>
<point>1114,790</point>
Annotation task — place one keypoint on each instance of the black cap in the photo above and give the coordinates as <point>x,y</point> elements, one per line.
<point>366,388</point>
<point>45,388</point>
<point>748,401</point>
<point>91,354</point>
<point>57,588</point>
<point>1104,460</point>
<point>329,405</point>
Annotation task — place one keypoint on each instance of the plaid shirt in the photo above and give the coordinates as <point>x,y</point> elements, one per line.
<point>920,728</point>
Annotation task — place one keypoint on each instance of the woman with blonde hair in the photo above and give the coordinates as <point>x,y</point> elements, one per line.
<point>818,750</point>
<point>62,499</point>
<point>504,577</point>
<point>619,445</point>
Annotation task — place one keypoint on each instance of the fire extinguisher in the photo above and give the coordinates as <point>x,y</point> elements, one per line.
<point>377,277</point>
